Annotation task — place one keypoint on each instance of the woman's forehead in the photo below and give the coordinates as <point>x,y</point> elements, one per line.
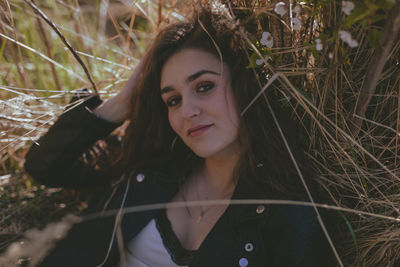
<point>183,64</point>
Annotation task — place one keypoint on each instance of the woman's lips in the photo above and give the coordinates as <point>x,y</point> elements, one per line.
<point>198,130</point>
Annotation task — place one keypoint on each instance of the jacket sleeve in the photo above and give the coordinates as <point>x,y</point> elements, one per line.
<point>74,151</point>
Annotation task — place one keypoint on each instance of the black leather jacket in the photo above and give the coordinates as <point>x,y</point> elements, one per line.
<point>245,235</point>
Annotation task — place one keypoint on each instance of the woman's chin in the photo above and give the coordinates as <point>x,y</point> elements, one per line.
<point>203,151</point>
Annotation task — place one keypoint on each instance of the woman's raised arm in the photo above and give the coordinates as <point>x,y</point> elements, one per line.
<point>69,154</point>
<point>76,150</point>
<point>116,109</point>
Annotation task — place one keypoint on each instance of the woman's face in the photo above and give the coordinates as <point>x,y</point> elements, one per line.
<point>196,88</point>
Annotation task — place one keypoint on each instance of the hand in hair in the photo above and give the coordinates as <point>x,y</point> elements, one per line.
<point>117,108</point>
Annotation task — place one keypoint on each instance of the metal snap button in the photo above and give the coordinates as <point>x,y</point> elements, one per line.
<point>243,262</point>
<point>260,209</point>
<point>140,177</point>
<point>249,247</point>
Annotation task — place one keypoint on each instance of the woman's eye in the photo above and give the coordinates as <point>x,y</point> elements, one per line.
<point>204,87</point>
<point>173,101</point>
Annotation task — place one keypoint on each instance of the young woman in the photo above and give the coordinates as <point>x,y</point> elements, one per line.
<point>186,141</point>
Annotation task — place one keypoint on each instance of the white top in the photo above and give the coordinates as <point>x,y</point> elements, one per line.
<point>147,249</point>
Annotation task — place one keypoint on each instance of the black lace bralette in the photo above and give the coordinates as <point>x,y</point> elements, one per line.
<point>179,254</point>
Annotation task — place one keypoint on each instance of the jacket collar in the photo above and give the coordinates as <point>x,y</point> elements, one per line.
<point>247,189</point>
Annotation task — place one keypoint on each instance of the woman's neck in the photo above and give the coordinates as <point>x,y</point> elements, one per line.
<point>216,174</point>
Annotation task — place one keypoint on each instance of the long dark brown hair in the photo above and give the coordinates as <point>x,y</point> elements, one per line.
<point>149,140</point>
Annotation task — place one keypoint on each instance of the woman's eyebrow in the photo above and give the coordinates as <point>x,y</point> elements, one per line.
<point>196,75</point>
<point>191,78</point>
<point>166,89</point>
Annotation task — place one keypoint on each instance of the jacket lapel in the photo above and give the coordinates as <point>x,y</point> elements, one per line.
<point>146,188</point>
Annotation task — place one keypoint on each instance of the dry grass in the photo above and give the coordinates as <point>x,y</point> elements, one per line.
<point>347,98</point>
<point>38,77</point>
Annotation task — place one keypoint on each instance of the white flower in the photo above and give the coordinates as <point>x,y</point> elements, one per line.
<point>347,7</point>
<point>318,45</point>
<point>218,8</point>
<point>267,39</point>
<point>345,36</point>
<point>316,24</point>
<point>280,8</point>
<point>296,22</point>
<point>259,61</point>
<point>353,43</point>
<point>297,10</point>
<point>330,55</point>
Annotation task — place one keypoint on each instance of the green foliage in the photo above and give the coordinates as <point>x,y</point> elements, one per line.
<point>367,12</point>
<point>374,37</point>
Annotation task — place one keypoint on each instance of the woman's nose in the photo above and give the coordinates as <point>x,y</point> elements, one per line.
<point>190,108</point>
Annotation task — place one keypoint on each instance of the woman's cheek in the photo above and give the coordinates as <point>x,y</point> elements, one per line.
<point>172,122</point>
